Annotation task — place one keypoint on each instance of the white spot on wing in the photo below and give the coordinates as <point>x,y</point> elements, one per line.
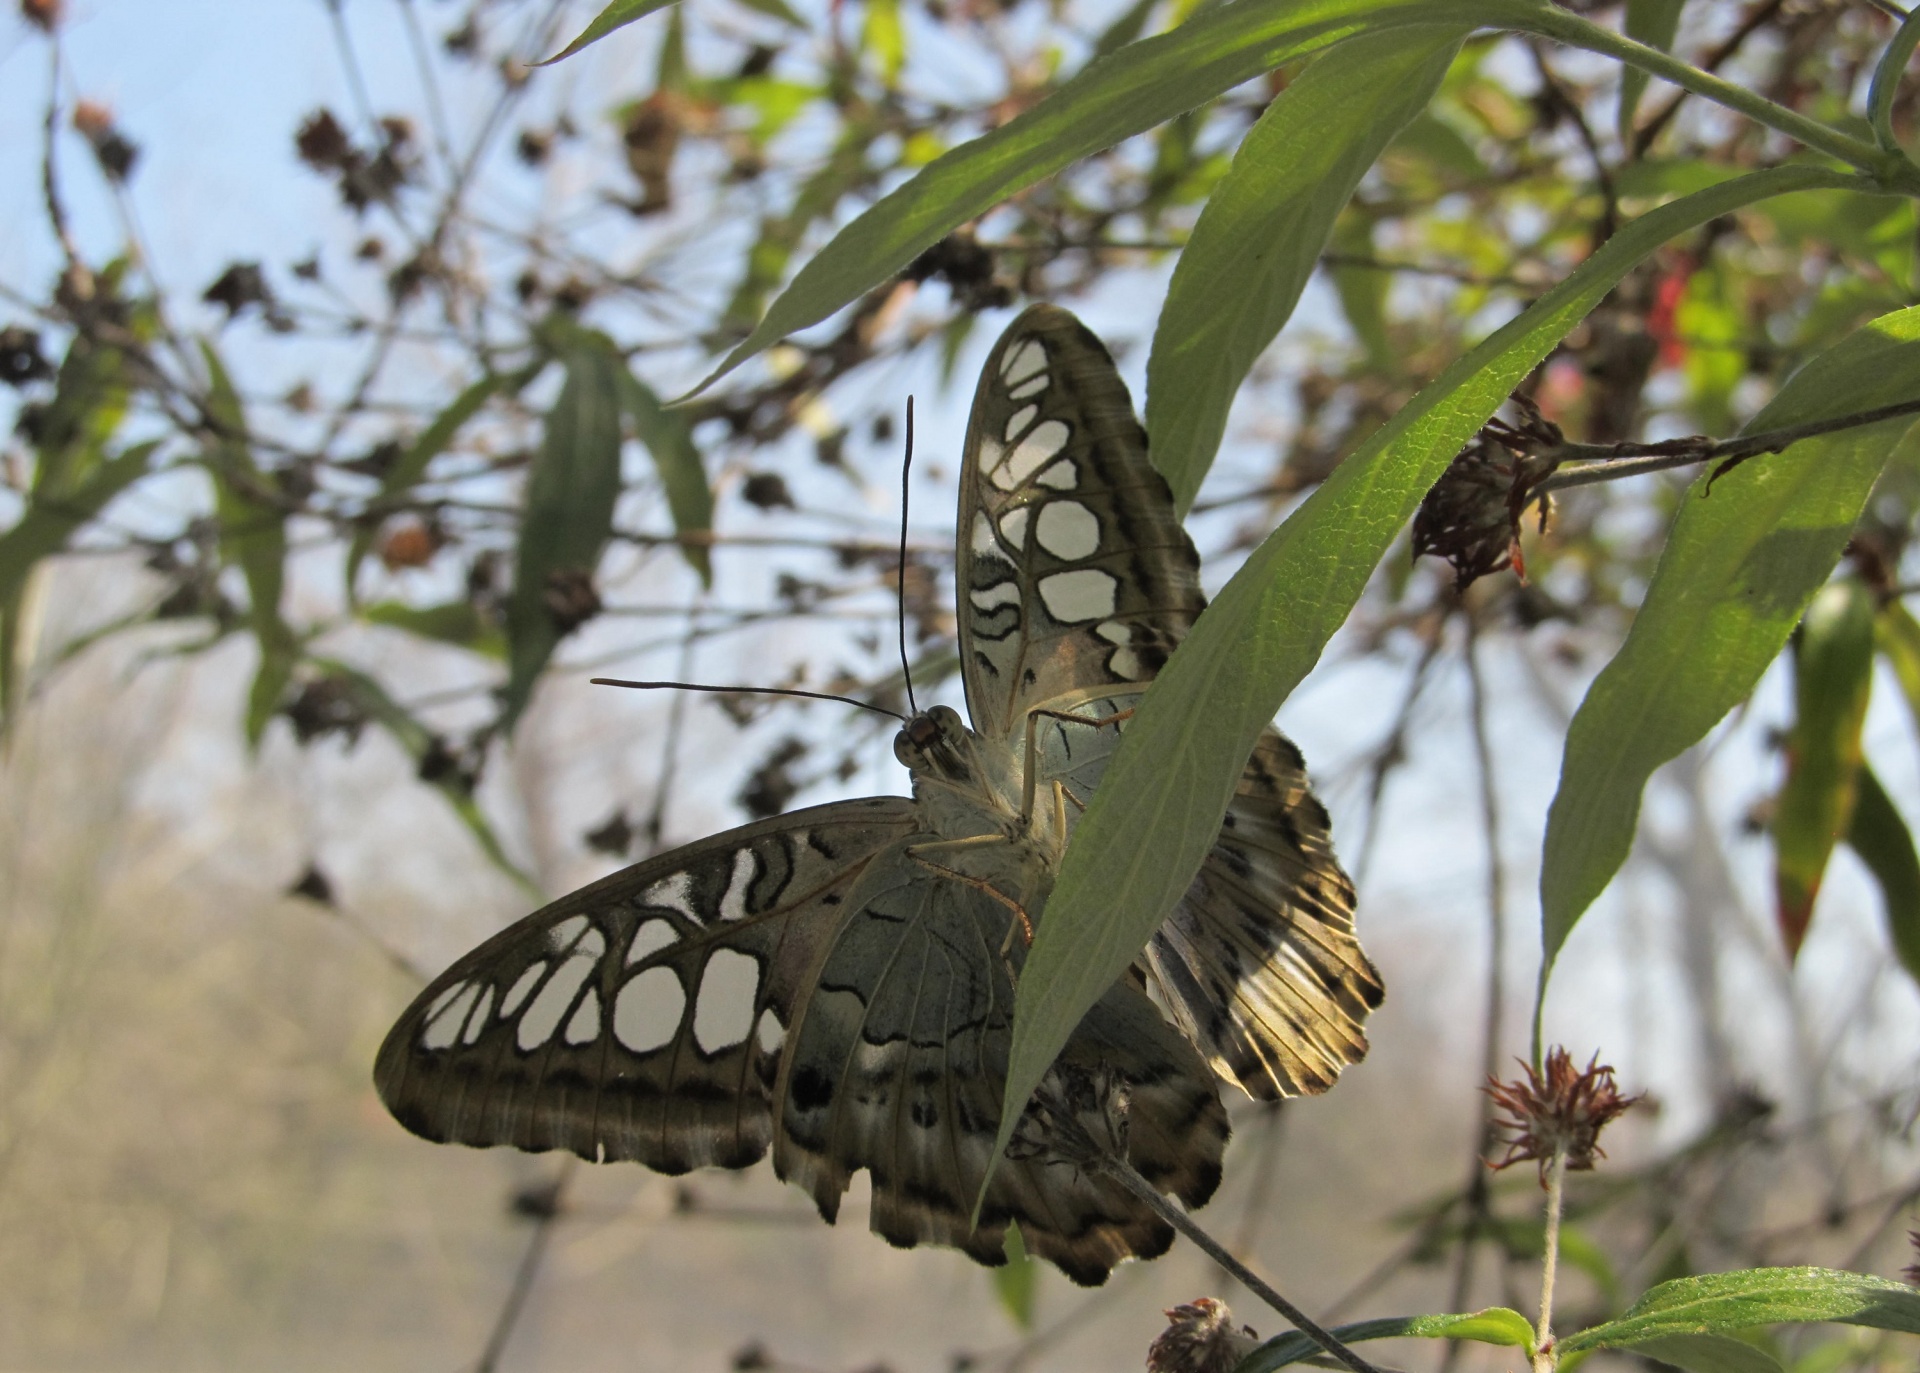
<point>1013,528</point>
<point>1114,632</point>
<point>1126,663</point>
<point>995,596</point>
<point>443,1025</point>
<point>561,937</point>
<point>522,987</point>
<point>992,454</point>
<point>674,893</point>
<point>1022,362</point>
<point>1061,477</point>
<point>649,939</point>
<point>1086,593</point>
<point>477,1022</point>
<point>584,1028</point>
<point>646,1014</point>
<point>723,1013</point>
<point>771,1033</point>
<point>1017,423</point>
<point>1027,390</point>
<point>982,541</point>
<point>733,906</point>
<point>1037,449</point>
<point>1068,530</point>
<point>542,1018</point>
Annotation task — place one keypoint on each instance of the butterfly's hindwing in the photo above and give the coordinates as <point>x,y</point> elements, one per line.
<point>1073,571</point>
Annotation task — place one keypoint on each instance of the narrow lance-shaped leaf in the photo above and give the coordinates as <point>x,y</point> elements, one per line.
<point>253,537</point>
<point>1653,22</point>
<point>669,441</point>
<point>1708,1354</point>
<point>615,16</point>
<point>1497,1325</point>
<point>1714,1303</point>
<point>571,490</point>
<point>1898,638</point>
<point>1014,1281</point>
<point>1879,835</point>
<point>1134,88</point>
<point>1160,803</point>
<point>410,468</point>
<point>1833,677</point>
<point>1262,232</point>
<point>1739,568</point>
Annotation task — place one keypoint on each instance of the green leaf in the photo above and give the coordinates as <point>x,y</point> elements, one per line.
<point>1881,838</point>
<point>459,623</point>
<point>780,235</point>
<point>1158,809</point>
<point>1132,89</point>
<point>410,468</point>
<point>1713,1303</point>
<point>885,37</point>
<point>1496,1325</point>
<point>1899,644</point>
<point>776,9</point>
<point>1124,30</point>
<point>1833,677</point>
<point>253,537</point>
<point>417,739</point>
<point>1363,292</point>
<point>1261,234</point>
<point>571,490</point>
<point>615,16</point>
<point>1653,22</point>
<point>1708,1354</point>
<point>669,440</point>
<point>1014,1282</point>
<point>1737,572</point>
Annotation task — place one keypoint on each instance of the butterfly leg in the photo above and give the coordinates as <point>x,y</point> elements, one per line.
<point>1022,923</point>
<point>1033,746</point>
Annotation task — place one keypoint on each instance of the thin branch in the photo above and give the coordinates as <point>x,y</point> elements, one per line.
<point>1757,18</point>
<point>516,1301</point>
<point>1175,1215</point>
<point>1613,461</point>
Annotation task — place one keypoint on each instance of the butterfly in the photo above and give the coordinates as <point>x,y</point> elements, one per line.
<point>836,984</point>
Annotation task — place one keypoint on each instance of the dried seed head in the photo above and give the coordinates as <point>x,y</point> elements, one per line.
<point>1471,517</point>
<point>1563,1109</point>
<point>1200,1338</point>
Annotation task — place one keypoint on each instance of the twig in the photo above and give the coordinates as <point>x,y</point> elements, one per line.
<point>1173,1214</point>
<point>1757,18</point>
<point>1613,461</point>
<point>1543,1355</point>
<point>536,1250</point>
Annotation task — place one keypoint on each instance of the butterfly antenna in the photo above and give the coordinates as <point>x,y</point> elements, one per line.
<point>749,691</point>
<point>906,491</point>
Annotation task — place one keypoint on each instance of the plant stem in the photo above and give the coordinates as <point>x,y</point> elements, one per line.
<point>1171,1212</point>
<point>1543,1356</point>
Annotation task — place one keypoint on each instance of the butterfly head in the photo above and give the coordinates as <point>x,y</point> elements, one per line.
<point>934,741</point>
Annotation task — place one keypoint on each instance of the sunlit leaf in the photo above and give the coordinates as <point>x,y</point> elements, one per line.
<point>1880,836</point>
<point>1497,1325</point>
<point>1833,677</point>
<point>1714,1303</point>
<point>1739,568</point>
<point>615,16</point>
<point>1261,234</point>
<point>1158,809</point>
<point>253,537</point>
<point>1653,22</point>
<point>571,489</point>
<point>884,38</point>
<point>1136,87</point>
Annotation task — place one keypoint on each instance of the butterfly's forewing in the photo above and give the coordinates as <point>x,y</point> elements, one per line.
<point>641,1017</point>
<point>1073,572</point>
<point>1076,581</point>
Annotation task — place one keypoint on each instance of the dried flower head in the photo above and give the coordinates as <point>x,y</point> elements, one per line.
<point>1563,1109</point>
<point>1471,517</point>
<point>1200,1338</point>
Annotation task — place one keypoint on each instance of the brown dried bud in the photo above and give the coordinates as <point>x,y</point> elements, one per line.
<point>651,136</point>
<point>42,14</point>
<point>570,598</point>
<point>1471,517</point>
<point>412,544</point>
<point>1200,1338</point>
<point>1563,1109</point>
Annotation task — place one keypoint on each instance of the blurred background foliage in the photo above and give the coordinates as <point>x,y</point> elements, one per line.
<point>325,492</point>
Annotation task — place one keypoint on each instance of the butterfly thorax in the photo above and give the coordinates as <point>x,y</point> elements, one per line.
<point>965,789</point>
